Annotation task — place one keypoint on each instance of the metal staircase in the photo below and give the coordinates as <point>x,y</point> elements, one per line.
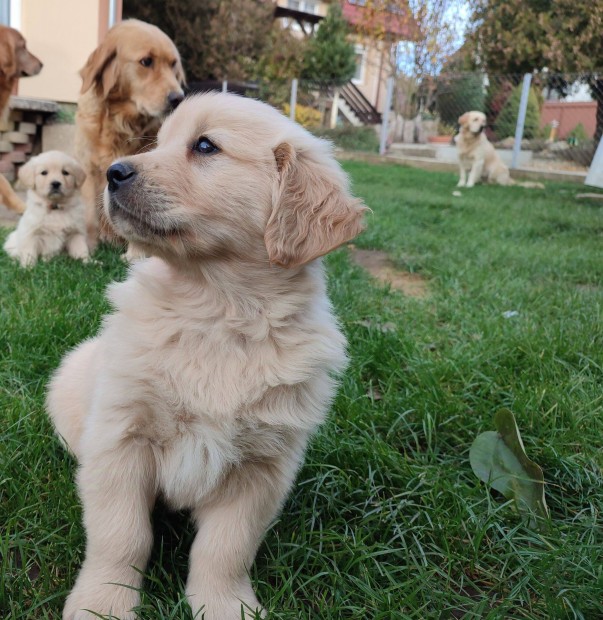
<point>359,104</point>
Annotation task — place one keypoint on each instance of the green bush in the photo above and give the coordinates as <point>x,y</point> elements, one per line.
<point>457,94</point>
<point>577,134</point>
<point>351,138</point>
<point>507,119</point>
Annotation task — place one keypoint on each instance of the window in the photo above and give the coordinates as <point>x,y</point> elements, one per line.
<point>360,52</point>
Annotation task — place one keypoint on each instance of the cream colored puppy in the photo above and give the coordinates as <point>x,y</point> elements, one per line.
<point>54,219</point>
<point>218,361</point>
<point>477,154</point>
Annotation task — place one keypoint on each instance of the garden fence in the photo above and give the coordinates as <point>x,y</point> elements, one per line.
<point>562,125</point>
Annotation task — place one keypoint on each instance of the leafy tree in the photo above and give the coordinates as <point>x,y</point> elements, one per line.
<point>519,36</point>
<point>457,94</point>
<point>507,119</point>
<point>330,56</point>
<point>217,39</point>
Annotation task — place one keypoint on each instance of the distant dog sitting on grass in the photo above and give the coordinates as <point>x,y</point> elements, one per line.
<point>478,155</point>
<point>54,218</point>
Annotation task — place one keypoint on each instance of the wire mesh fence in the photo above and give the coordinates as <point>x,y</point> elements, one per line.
<point>563,122</point>
<point>563,118</point>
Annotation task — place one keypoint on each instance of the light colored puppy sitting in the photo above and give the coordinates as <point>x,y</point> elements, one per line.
<point>54,219</point>
<point>477,154</point>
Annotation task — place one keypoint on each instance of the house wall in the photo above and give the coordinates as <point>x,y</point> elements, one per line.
<point>62,33</point>
<point>373,82</point>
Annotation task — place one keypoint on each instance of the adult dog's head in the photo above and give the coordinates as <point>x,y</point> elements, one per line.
<point>15,59</point>
<point>137,63</point>
<point>472,122</point>
<point>53,176</point>
<point>232,178</point>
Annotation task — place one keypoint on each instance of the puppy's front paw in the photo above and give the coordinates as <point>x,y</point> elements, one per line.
<point>461,184</point>
<point>470,184</point>
<point>87,602</point>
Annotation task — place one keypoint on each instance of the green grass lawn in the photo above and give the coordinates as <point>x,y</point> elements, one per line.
<point>387,520</point>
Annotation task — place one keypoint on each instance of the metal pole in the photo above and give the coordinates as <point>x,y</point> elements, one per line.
<point>293,101</point>
<point>521,118</point>
<point>385,118</point>
<point>224,86</point>
<point>112,13</point>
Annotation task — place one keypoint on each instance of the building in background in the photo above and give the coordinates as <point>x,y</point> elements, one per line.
<point>62,33</point>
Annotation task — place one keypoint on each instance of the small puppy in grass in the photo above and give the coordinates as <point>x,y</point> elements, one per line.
<point>218,361</point>
<point>54,218</point>
<point>478,155</point>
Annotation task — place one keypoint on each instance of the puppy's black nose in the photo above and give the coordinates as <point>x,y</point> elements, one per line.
<point>175,99</point>
<point>55,184</point>
<point>120,174</point>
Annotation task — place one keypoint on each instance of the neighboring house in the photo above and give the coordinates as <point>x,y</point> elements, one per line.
<point>62,33</point>
<point>366,93</point>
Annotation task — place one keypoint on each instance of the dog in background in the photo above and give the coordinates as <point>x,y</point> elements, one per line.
<point>16,61</point>
<point>54,218</point>
<point>131,81</point>
<point>478,155</point>
<point>217,364</point>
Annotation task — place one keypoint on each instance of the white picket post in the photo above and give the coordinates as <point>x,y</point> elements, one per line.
<point>521,118</point>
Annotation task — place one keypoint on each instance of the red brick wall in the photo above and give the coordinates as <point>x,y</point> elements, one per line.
<point>569,115</point>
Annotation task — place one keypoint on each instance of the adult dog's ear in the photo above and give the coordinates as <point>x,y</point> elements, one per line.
<point>27,174</point>
<point>8,58</point>
<point>180,76</point>
<point>100,69</point>
<point>312,209</point>
<point>464,119</point>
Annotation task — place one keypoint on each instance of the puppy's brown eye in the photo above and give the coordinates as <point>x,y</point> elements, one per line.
<point>205,146</point>
<point>174,64</point>
<point>44,172</point>
<point>65,173</point>
<point>147,61</point>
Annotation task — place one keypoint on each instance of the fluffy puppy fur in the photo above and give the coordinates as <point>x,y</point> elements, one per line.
<point>218,361</point>
<point>54,219</point>
<point>129,83</point>
<point>16,61</point>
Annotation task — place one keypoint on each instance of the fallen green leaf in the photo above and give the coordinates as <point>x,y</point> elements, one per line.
<point>499,459</point>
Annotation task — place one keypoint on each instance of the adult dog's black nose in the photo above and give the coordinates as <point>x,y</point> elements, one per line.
<point>55,184</point>
<point>175,99</point>
<point>120,174</point>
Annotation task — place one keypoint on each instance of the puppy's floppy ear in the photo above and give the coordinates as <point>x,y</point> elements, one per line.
<point>78,173</point>
<point>464,119</point>
<point>312,209</point>
<point>27,173</point>
<point>101,68</point>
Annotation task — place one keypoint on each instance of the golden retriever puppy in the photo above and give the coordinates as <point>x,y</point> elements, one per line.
<point>16,61</point>
<point>129,83</point>
<point>477,154</point>
<point>54,219</point>
<point>218,361</point>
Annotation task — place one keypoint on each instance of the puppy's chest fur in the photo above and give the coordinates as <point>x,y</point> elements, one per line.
<point>209,389</point>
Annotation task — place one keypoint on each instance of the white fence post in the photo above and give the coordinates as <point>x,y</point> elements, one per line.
<point>293,100</point>
<point>224,86</point>
<point>521,118</point>
<point>385,117</point>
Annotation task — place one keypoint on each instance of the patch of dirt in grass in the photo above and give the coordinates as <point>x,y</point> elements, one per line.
<point>381,267</point>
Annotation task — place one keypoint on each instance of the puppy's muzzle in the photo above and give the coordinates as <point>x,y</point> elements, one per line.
<point>119,176</point>
<point>55,185</point>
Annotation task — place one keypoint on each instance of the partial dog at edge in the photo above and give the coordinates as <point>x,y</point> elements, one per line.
<point>54,218</point>
<point>219,359</point>
<point>16,61</point>
<point>478,155</point>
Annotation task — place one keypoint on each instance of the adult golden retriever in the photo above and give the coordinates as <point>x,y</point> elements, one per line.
<point>218,361</point>
<point>477,154</point>
<point>129,83</point>
<point>54,219</point>
<point>16,61</point>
